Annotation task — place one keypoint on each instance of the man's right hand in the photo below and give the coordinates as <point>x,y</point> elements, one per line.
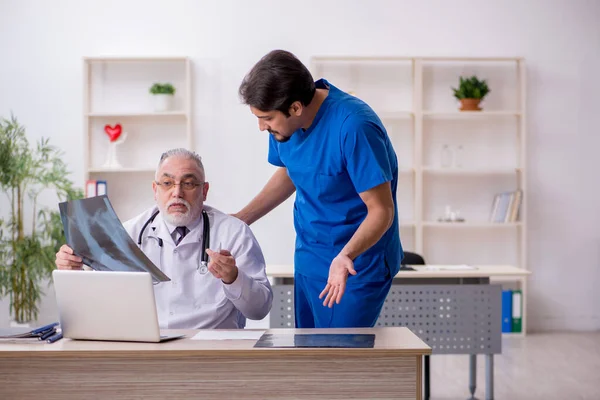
<point>66,260</point>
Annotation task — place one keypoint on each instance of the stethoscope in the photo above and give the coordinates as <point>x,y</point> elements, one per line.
<point>203,265</point>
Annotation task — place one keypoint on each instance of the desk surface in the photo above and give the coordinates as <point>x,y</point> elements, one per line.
<point>392,341</point>
<point>426,271</point>
<point>214,369</point>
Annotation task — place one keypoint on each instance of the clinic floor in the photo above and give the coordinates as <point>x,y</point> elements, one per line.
<point>561,366</point>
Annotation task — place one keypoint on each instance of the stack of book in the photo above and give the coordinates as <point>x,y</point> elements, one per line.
<point>506,206</point>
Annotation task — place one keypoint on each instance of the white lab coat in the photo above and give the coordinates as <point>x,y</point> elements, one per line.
<point>191,300</point>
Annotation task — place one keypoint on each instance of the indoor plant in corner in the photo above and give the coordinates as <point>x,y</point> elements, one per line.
<point>30,235</point>
<point>163,94</point>
<point>471,92</point>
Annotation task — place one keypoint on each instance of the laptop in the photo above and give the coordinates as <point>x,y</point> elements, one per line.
<point>107,305</point>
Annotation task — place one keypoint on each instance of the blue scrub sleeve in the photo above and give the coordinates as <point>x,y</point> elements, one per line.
<point>273,156</point>
<point>366,155</point>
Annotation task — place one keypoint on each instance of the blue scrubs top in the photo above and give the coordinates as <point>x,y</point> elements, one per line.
<point>345,151</point>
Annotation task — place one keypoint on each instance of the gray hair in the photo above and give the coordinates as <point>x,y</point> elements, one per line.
<point>184,153</point>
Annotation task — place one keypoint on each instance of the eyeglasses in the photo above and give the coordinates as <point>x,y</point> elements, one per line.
<point>185,185</point>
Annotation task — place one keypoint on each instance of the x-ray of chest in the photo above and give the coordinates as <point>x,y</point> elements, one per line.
<point>95,233</point>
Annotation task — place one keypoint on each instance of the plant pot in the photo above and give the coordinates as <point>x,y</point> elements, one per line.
<point>163,102</point>
<point>470,104</point>
<point>15,324</point>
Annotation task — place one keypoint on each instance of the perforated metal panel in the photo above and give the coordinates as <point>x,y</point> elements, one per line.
<point>282,311</point>
<point>452,319</point>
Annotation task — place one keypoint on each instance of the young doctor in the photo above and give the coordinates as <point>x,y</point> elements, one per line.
<point>334,152</point>
<point>220,293</point>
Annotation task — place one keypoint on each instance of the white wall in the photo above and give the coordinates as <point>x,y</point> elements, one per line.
<point>42,43</point>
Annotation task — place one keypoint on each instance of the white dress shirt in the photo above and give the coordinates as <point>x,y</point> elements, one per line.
<point>191,300</point>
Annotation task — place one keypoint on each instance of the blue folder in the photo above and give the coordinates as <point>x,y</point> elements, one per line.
<point>507,310</point>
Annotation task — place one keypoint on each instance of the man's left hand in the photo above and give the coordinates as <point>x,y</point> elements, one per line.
<point>336,284</point>
<point>222,266</point>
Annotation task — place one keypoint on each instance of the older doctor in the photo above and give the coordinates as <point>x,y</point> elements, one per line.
<point>233,287</point>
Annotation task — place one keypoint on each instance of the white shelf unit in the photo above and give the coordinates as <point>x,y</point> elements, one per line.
<point>413,97</point>
<point>137,114</point>
<point>116,91</point>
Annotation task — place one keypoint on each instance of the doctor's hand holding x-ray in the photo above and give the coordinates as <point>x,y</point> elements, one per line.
<point>216,266</point>
<point>221,264</point>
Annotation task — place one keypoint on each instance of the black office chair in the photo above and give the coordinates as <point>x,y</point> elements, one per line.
<point>412,259</point>
<point>416,259</point>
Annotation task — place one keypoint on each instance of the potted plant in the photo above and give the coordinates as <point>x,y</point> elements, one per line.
<point>471,92</point>
<point>163,96</point>
<point>30,235</point>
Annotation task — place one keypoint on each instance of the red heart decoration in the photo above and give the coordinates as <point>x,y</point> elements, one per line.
<point>113,133</point>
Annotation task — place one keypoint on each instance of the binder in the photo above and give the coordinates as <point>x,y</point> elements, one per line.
<point>101,188</point>
<point>517,311</point>
<point>90,188</point>
<point>507,298</point>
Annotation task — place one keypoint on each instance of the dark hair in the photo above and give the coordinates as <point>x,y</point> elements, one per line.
<point>276,81</point>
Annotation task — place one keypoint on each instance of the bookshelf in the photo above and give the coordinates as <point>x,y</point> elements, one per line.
<point>413,98</point>
<point>116,91</point>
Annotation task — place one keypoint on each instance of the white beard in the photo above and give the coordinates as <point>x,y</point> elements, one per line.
<point>180,219</point>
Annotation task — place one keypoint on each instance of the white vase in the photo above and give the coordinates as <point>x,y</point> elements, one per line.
<point>163,102</point>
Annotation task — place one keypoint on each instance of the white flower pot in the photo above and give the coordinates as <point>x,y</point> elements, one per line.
<point>15,324</point>
<point>163,102</point>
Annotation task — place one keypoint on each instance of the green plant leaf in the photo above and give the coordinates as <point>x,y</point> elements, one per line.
<point>470,88</point>
<point>160,88</point>
<point>27,255</point>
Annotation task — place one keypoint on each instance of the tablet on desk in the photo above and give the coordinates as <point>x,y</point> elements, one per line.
<point>316,340</point>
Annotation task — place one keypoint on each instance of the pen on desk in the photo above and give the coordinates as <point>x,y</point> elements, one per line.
<point>44,328</point>
<point>48,334</point>
<point>54,338</point>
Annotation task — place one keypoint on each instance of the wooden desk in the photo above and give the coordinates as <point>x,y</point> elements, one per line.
<point>216,369</point>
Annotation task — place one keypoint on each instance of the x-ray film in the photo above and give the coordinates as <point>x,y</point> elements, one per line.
<point>95,233</point>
